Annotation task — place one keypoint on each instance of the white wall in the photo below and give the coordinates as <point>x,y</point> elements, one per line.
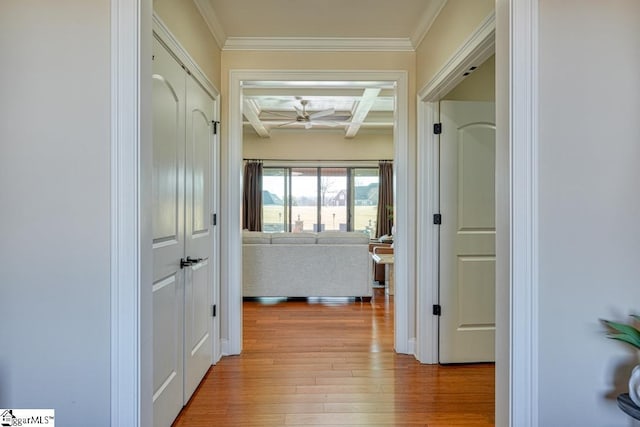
<point>589,200</point>
<point>503,215</point>
<point>456,21</point>
<point>318,145</point>
<point>54,175</point>
<point>185,22</point>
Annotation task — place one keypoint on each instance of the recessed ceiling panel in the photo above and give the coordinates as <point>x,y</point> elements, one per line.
<point>326,18</point>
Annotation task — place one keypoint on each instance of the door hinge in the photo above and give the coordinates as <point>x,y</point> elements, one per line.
<point>437,219</point>
<point>437,310</point>
<point>213,310</point>
<point>437,128</point>
<point>216,125</point>
<point>214,219</point>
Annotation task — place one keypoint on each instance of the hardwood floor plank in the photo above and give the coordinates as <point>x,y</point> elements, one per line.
<point>333,364</point>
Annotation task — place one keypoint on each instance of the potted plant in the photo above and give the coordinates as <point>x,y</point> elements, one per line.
<point>631,335</point>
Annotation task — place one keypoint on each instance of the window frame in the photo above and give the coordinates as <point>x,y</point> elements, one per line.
<point>287,224</point>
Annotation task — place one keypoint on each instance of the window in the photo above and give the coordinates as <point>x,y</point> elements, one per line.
<point>320,198</point>
<point>274,208</point>
<point>365,203</point>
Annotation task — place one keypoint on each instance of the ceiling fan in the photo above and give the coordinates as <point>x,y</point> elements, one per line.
<point>310,119</point>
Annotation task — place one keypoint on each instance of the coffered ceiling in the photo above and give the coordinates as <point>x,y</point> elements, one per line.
<point>341,109</point>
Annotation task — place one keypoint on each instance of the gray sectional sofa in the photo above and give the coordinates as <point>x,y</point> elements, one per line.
<point>324,264</point>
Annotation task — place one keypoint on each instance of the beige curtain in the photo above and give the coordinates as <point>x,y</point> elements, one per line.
<point>384,220</point>
<point>252,196</point>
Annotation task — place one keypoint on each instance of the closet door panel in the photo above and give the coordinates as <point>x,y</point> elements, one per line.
<point>168,98</point>
<point>198,235</point>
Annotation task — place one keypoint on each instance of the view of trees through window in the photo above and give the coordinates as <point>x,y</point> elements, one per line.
<point>320,199</point>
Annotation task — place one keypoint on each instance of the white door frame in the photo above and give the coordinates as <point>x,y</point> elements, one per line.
<point>517,103</point>
<point>131,235</point>
<point>516,341</point>
<point>404,177</point>
<point>474,51</point>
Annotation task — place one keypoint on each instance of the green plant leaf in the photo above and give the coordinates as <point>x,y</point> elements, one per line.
<point>624,329</point>
<point>626,338</point>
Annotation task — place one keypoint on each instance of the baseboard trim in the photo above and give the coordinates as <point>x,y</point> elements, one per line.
<point>224,346</point>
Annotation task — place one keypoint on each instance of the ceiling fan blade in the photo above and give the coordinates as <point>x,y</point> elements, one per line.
<point>277,113</point>
<point>327,123</point>
<point>288,124</point>
<point>323,113</point>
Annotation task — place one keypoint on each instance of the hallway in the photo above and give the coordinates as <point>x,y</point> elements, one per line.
<point>332,362</point>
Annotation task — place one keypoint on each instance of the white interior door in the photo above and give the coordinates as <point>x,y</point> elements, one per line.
<point>198,235</point>
<point>168,235</point>
<point>467,233</point>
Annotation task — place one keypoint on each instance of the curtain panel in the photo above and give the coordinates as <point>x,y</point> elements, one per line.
<point>384,220</point>
<point>252,196</point>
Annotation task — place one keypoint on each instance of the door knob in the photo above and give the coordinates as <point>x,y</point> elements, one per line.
<point>189,261</point>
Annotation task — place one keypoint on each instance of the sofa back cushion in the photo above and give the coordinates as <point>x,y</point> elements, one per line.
<point>293,238</point>
<point>342,238</point>
<point>256,237</point>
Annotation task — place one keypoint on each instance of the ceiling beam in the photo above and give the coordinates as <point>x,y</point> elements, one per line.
<point>361,110</point>
<point>252,113</point>
<point>308,91</point>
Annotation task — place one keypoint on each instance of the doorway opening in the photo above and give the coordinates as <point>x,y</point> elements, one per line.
<point>475,52</point>
<point>241,84</point>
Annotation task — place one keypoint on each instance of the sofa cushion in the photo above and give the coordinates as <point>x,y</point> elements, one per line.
<point>255,237</point>
<point>342,238</point>
<point>292,238</point>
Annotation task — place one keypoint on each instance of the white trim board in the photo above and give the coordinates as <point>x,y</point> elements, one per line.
<point>404,171</point>
<point>326,44</point>
<point>216,354</point>
<point>428,248</point>
<point>131,321</point>
<point>523,203</point>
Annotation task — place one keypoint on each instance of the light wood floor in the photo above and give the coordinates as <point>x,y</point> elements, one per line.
<point>306,363</point>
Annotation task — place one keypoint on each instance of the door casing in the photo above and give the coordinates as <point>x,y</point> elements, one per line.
<point>516,104</point>
<point>404,175</point>
<point>477,49</point>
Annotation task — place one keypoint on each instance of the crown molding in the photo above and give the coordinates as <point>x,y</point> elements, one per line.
<point>349,44</point>
<point>333,44</point>
<point>212,21</point>
<point>426,21</point>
